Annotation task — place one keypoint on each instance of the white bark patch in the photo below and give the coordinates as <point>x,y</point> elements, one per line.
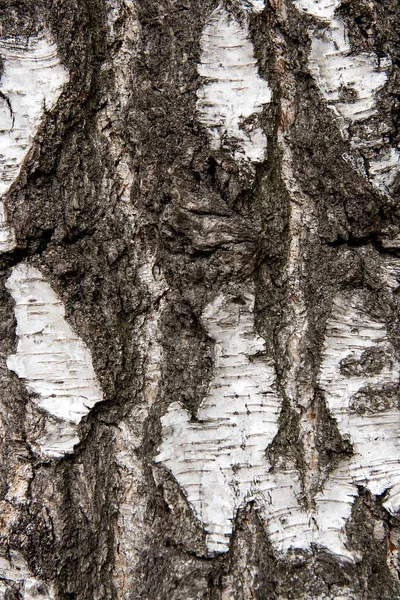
<point>359,375</point>
<point>335,69</point>
<point>219,459</point>
<point>53,361</point>
<point>15,575</point>
<point>349,83</point>
<point>254,5</point>
<point>233,93</point>
<point>31,83</point>
<point>322,9</point>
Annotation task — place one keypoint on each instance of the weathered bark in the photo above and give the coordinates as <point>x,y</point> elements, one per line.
<point>200,260</point>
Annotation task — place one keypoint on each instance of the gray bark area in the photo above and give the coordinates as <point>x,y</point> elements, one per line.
<point>121,178</point>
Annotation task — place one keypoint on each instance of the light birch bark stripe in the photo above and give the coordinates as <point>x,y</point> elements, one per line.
<point>53,361</point>
<point>233,93</point>
<point>254,5</point>
<point>349,83</point>
<point>219,459</point>
<point>30,85</point>
<point>360,378</point>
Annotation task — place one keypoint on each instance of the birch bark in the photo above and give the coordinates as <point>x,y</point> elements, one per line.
<point>199,276</point>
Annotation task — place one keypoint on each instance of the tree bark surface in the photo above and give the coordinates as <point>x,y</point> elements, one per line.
<point>199,276</point>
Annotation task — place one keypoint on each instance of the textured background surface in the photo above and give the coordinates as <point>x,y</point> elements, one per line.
<point>138,224</point>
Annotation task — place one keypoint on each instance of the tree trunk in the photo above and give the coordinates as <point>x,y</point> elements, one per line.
<point>200,260</point>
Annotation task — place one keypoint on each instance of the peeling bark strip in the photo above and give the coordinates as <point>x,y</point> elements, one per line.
<point>233,93</point>
<point>349,83</point>
<point>30,85</point>
<point>53,361</point>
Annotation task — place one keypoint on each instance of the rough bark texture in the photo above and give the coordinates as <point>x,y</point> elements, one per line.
<point>199,300</point>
